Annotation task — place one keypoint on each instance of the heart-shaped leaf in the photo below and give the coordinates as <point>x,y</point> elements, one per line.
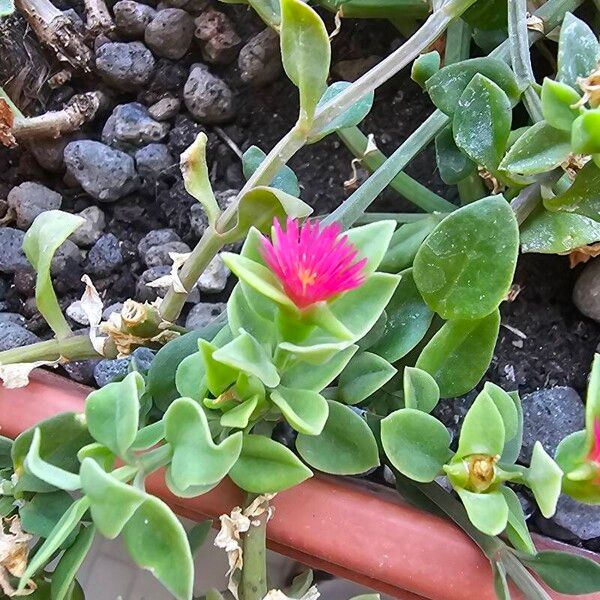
<point>372,242</point>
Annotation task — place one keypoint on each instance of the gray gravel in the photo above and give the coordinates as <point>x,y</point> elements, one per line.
<point>31,199</point>
<point>12,256</point>
<point>259,60</point>
<point>126,66</point>
<point>208,98</point>
<point>91,230</point>
<point>132,18</point>
<point>170,33</point>
<point>105,257</point>
<point>586,293</point>
<point>132,126</point>
<point>159,255</point>
<point>203,313</point>
<point>13,335</point>
<point>153,161</point>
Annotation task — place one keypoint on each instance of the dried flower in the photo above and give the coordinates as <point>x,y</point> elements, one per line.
<point>313,263</point>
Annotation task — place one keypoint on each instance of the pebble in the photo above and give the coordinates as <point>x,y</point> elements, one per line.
<point>12,256</point>
<point>67,257</point>
<point>548,416</point>
<point>203,313</point>
<point>13,335</point>
<point>82,371</point>
<point>103,172</point>
<point>218,40</point>
<point>170,33</point>
<point>169,77</point>
<point>24,280</point>
<point>108,370</point>
<point>214,278</point>
<point>131,125</point>
<point>143,293</point>
<point>351,70</point>
<point>586,293</point>
<point>159,255</point>
<point>198,218</point>
<point>143,358</point>
<point>90,231</point>
<point>132,18</point>
<point>31,199</point>
<point>165,109</point>
<point>112,308</point>
<point>208,98</point>
<point>152,161</point>
<point>126,66</point>
<point>259,60</point>
<point>157,237</point>
<point>11,317</point>
<point>105,257</point>
<point>183,134</point>
<point>572,520</point>
<point>49,152</point>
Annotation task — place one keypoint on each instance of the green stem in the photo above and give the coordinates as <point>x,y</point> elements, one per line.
<point>523,579</point>
<point>458,42</point>
<point>77,347</point>
<point>253,585</point>
<point>372,217</point>
<point>412,190</point>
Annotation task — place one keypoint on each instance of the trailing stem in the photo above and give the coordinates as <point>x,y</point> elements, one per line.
<point>253,585</point>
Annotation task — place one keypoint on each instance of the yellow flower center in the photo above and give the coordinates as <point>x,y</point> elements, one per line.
<point>482,471</point>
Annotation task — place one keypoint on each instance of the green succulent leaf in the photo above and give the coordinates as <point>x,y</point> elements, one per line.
<point>425,66</point>
<point>112,413</point>
<point>487,16</point>
<point>156,541</point>
<point>285,179</point>
<point>541,148</point>
<point>582,195</point>
<point>196,179</point>
<point>304,36</point>
<point>197,460</point>
<point>481,123</point>
<point>101,454</point>
<point>453,164</point>
<point>198,533</point>
<point>447,86</point>
<point>417,444</point>
<point>48,231</point>
<point>557,99</point>
<point>512,445</point>
<point>346,446</point>
<point>306,411</point>
<point>578,50</point>
<point>364,375</point>
<point>516,528</point>
<point>506,407</point>
<point>268,10</point>
<point>544,477</point>
<point>315,353</point>
<point>239,416</point>
<point>349,118</point>
<point>40,515</point>
<point>465,267</point>
<point>500,581</point>
<point>241,315</point>
<point>70,562</point>
<point>265,466</point>
<point>217,375</point>
<point>487,511</point>
<point>372,242</point>
<point>459,353</point>
<point>420,389</point>
<point>585,133</point>
<point>301,584</point>
<point>149,436</point>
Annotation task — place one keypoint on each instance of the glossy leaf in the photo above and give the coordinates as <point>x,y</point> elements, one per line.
<point>487,511</point>
<point>315,353</point>
<point>241,315</point>
<point>516,528</point>
<point>465,267</point>
<point>285,179</point>
<point>578,50</point>
<point>417,444</point>
<point>557,99</point>
<point>197,460</point>
<point>48,231</point>
<point>570,455</point>
<point>512,445</point>
<point>453,164</point>
<point>265,466</point>
<point>506,407</point>
<point>301,584</point>
<point>425,66</point>
<point>420,390</point>
<point>351,117</point>
<point>112,503</point>
<point>459,353</point>
<point>489,15</point>
<point>541,148</point>
<point>70,562</point>
<point>448,84</point>
<point>303,36</point>
<point>112,413</point>
<point>40,515</point>
<point>346,446</point>
<point>364,375</point>
<point>156,541</point>
<point>306,411</point>
<point>585,133</point>
<point>405,242</point>
<point>544,478</point>
<point>372,241</point>
<point>239,416</point>
<point>408,319</point>
<point>582,195</point>
<point>482,120</point>
<point>194,169</point>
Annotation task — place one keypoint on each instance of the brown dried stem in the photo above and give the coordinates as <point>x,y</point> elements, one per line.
<point>98,18</point>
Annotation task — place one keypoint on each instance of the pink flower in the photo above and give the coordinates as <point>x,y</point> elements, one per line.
<point>312,263</point>
<point>594,455</point>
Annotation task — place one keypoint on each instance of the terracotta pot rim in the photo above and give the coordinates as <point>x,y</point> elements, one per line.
<point>350,528</point>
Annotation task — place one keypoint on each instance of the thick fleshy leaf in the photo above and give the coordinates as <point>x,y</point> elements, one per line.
<point>459,353</point>
<point>239,416</point>
<point>304,37</point>
<point>541,148</point>
<point>218,375</point>
<point>490,15</point>
<point>516,529</point>
<point>420,389</point>
<point>506,407</point>
<point>265,466</point>
<point>284,180</point>
<point>317,377</point>
<point>48,231</point>
<point>582,195</point>
<point>557,99</point>
<point>585,133</point>
<point>112,503</point>
<point>482,431</point>
<point>512,445</point>
<point>578,50</point>
<point>351,117</point>
<point>487,511</point>
<point>363,376</point>
<point>544,478</point>
<point>306,411</point>
<point>408,319</point>
<point>482,120</point>
<point>448,84</point>
<point>372,242</point>
<point>346,446</point>
<point>453,164</point>
<point>417,444</point>
<point>101,454</point>
<point>196,180</point>
<point>156,541</point>
<point>197,460</point>
<point>425,66</point>
<point>556,233</point>
<point>315,354</point>
<point>246,354</point>
<point>190,377</point>
<point>112,413</point>
<point>465,267</point>
<point>40,515</point>
<point>149,436</point>
<point>241,314</point>
<point>70,562</point>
